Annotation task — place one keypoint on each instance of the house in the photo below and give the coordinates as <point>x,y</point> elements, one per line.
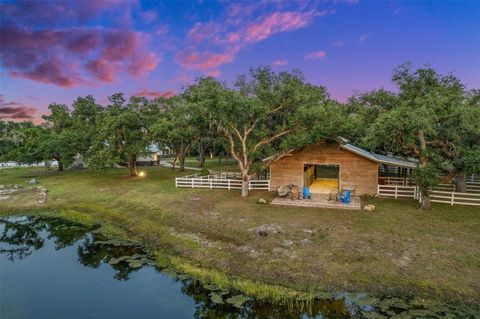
<point>154,153</point>
<point>332,167</point>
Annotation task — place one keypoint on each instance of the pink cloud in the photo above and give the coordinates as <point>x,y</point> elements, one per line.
<point>15,111</point>
<point>239,28</point>
<point>146,93</point>
<point>150,16</point>
<point>69,56</point>
<point>203,31</point>
<point>161,30</point>
<point>233,37</point>
<point>101,69</point>
<point>341,43</point>
<point>143,64</point>
<point>52,71</point>
<point>277,22</point>
<point>363,38</point>
<point>183,79</point>
<point>205,60</point>
<point>279,62</point>
<point>316,55</point>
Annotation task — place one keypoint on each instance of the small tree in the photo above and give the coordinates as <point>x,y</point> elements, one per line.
<point>62,144</point>
<point>177,128</point>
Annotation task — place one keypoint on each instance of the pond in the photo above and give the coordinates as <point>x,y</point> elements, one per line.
<point>50,268</point>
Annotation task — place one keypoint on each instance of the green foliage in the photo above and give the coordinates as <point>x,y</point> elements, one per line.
<point>425,178</point>
<point>121,135</point>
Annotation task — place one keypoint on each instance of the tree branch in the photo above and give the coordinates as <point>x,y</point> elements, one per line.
<point>271,139</point>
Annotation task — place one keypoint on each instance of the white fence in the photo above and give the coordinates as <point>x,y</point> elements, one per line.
<point>455,198</point>
<point>225,180</point>
<point>398,191</point>
<point>436,196</point>
<point>391,180</point>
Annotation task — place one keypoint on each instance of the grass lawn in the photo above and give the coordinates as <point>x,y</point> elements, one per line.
<point>396,249</point>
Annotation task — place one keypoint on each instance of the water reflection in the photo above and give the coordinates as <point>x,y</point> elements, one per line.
<point>20,237</point>
<point>150,292</point>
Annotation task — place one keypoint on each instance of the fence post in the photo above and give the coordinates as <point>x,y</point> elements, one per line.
<point>176,182</point>
<point>192,182</point>
<point>396,191</point>
<point>211,182</point>
<point>378,189</point>
<point>228,184</point>
<point>453,197</point>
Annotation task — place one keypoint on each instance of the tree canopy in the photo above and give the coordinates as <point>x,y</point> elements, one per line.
<point>263,116</point>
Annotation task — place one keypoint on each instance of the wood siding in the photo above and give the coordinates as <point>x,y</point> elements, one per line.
<point>355,170</point>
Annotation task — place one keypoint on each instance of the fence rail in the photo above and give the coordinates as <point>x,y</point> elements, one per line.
<point>455,198</point>
<point>221,180</point>
<point>436,196</point>
<point>397,191</point>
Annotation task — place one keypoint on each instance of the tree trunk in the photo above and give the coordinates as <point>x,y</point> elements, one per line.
<point>201,155</point>
<point>181,161</point>
<point>132,166</point>
<point>245,180</point>
<point>60,166</point>
<point>460,183</point>
<point>174,161</point>
<point>425,201</point>
<point>211,154</point>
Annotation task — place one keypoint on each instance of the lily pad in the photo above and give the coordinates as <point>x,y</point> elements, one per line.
<point>216,298</point>
<point>114,261</point>
<point>373,315</point>
<point>237,301</point>
<point>211,287</point>
<point>367,301</point>
<point>135,263</point>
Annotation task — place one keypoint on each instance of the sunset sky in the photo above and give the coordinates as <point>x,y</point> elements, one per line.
<point>59,50</point>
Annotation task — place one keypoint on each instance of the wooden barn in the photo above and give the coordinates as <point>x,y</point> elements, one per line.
<point>334,167</point>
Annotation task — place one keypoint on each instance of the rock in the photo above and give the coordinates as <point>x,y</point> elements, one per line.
<point>266,229</point>
<point>307,231</point>
<point>283,191</point>
<point>3,186</point>
<point>305,242</point>
<point>216,298</point>
<point>369,208</point>
<point>33,181</point>
<point>261,201</point>
<point>287,243</point>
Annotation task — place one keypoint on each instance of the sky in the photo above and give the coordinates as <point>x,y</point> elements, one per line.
<point>56,51</point>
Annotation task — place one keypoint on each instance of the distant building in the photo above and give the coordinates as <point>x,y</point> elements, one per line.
<point>154,153</point>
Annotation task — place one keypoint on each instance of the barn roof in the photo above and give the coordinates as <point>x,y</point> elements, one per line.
<point>381,159</point>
